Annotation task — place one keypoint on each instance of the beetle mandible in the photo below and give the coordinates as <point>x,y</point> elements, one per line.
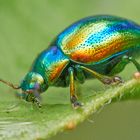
<point>97,46</point>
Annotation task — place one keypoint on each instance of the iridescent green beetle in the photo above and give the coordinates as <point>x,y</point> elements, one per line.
<point>96,46</point>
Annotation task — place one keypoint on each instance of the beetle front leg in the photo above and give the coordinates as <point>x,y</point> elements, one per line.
<point>30,97</point>
<point>104,79</point>
<point>73,97</point>
<point>34,98</point>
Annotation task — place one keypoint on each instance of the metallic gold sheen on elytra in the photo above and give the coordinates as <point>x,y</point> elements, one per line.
<point>95,39</point>
<point>90,41</point>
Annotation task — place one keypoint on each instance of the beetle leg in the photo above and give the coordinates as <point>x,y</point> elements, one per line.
<point>73,97</point>
<point>79,74</point>
<point>121,65</point>
<point>34,98</point>
<point>30,97</point>
<point>137,65</point>
<point>104,79</point>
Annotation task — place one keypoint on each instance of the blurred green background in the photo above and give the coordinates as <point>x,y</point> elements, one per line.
<point>28,26</point>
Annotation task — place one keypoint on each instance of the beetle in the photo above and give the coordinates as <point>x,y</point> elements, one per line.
<point>97,46</point>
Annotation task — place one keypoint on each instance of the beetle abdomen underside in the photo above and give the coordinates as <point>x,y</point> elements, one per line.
<point>98,38</point>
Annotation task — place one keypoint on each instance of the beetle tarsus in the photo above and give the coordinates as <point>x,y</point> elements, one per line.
<point>37,102</point>
<point>75,103</point>
<point>31,98</point>
<point>117,79</point>
<point>112,81</point>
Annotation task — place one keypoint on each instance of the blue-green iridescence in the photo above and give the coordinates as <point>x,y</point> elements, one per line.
<point>50,64</point>
<point>96,39</point>
<point>31,80</point>
<point>46,69</point>
<point>92,41</point>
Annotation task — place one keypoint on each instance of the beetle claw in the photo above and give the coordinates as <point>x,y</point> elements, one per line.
<point>77,104</point>
<point>36,101</point>
<point>33,99</point>
<point>113,81</point>
<point>117,80</point>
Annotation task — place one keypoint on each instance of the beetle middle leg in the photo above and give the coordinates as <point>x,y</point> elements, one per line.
<point>104,79</point>
<point>73,97</point>
<point>80,77</point>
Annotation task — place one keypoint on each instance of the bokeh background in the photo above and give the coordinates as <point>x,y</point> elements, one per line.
<point>28,26</point>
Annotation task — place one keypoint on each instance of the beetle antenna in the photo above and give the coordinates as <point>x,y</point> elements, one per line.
<point>10,84</point>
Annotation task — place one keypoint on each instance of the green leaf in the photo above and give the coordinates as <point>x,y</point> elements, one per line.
<point>21,120</point>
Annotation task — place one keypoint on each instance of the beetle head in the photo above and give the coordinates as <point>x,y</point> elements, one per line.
<point>32,81</point>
